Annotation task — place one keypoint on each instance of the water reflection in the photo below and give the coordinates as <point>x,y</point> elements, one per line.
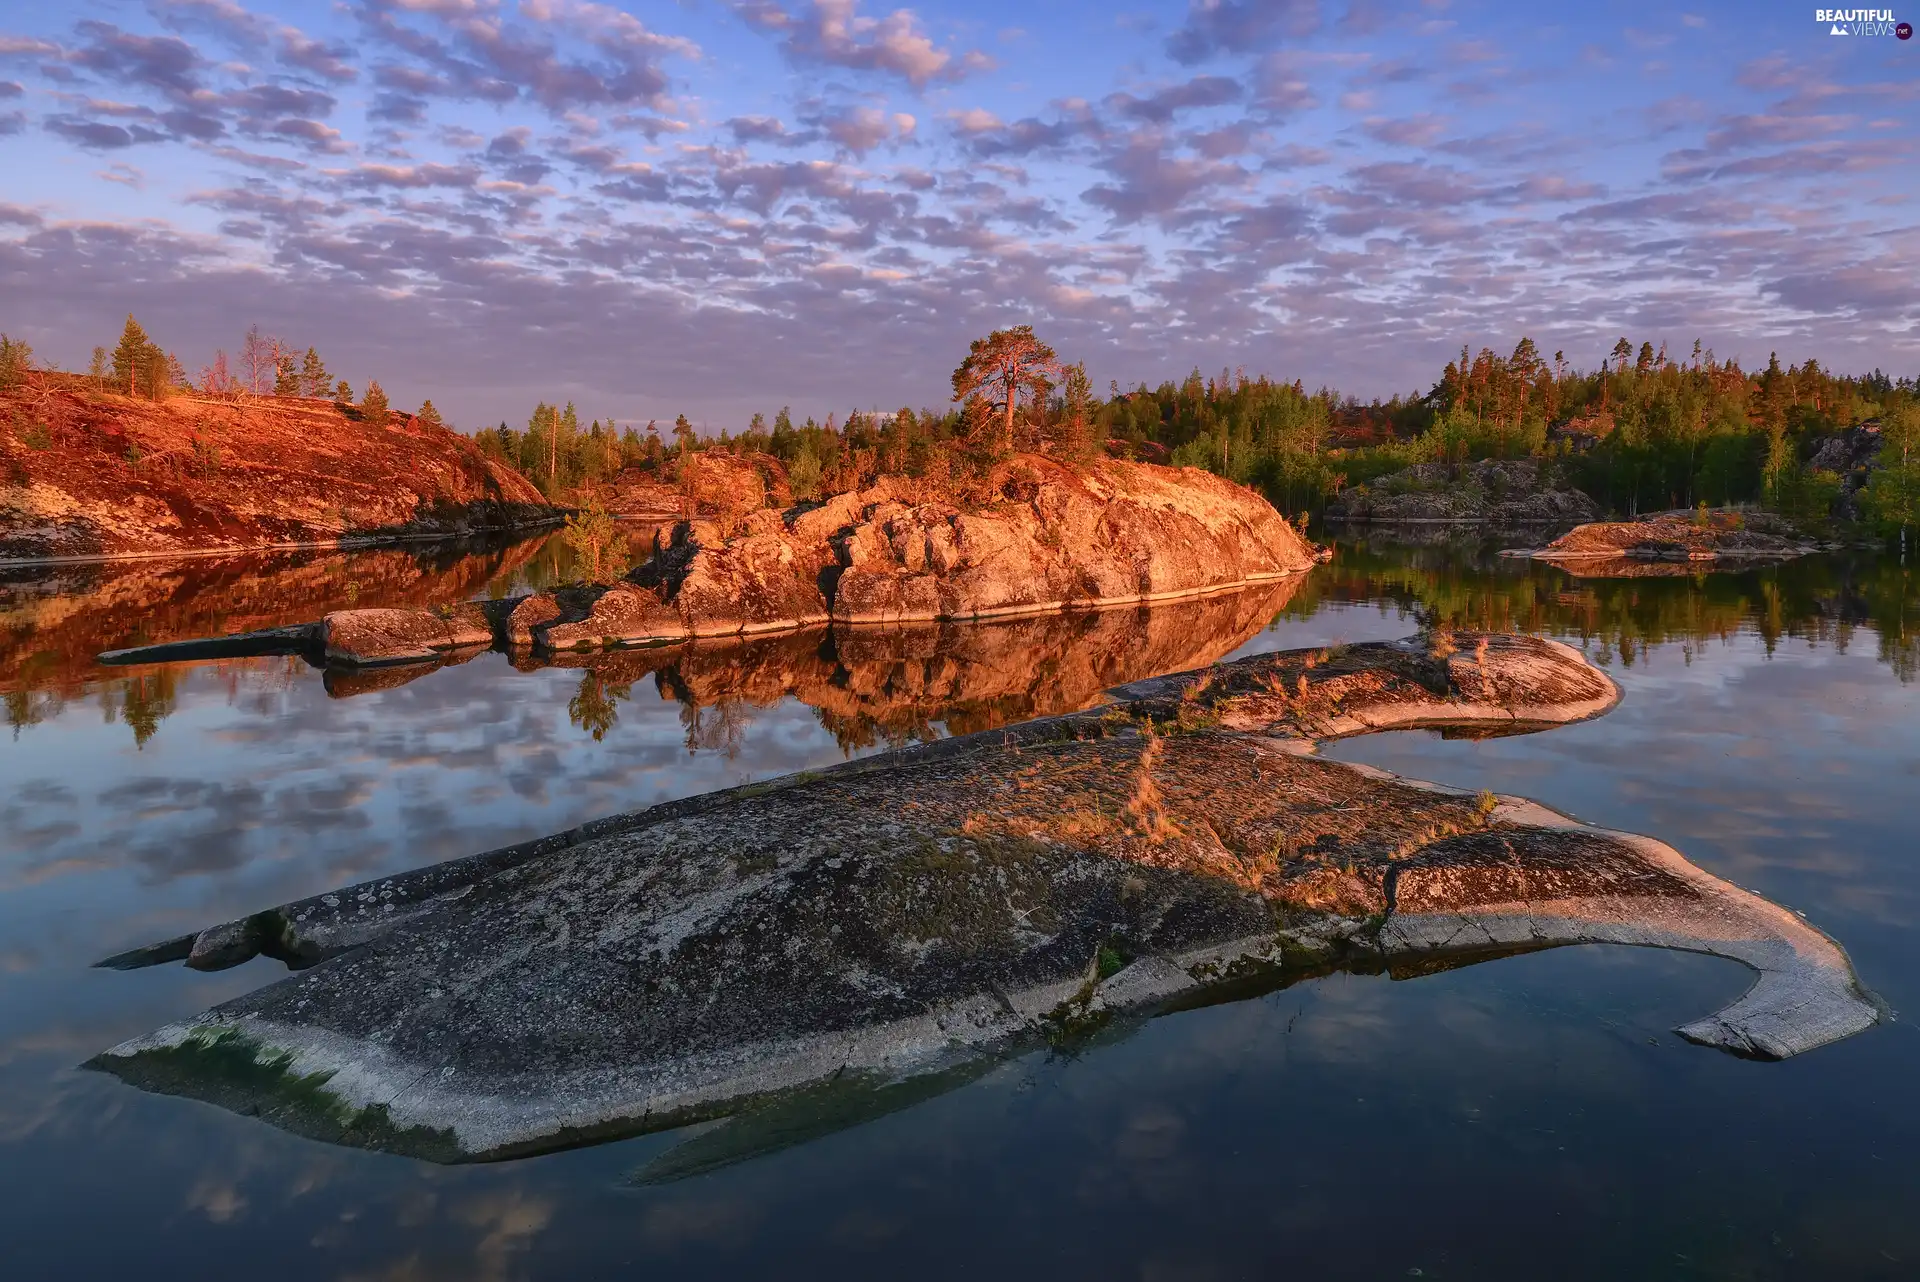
<point>1465,584</point>
<point>1771,729</point>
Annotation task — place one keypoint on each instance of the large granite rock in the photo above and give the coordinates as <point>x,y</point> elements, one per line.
<point>908,917</point>
<point>1054,539</point>
<point>1494,491</point>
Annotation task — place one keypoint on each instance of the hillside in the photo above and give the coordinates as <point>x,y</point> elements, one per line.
<point>86,474</point>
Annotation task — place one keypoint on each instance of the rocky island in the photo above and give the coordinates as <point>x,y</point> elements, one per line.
<point>1696,539</point>
<point>1051,538</point>
<point>831,944</point>
<point>91,474</point>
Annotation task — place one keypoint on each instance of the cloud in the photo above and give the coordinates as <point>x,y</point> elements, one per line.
<point>860,129</point>
<point>833,33</point>
<point>164,63</point>
<point>1159,108</point>
<point>468,52</point>
<point>1216,27</point>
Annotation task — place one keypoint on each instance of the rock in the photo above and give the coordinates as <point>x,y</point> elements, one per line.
<point>1674,537</point>
<point>1496,491</point>
<point>1056,539</point>
<point>901,918</point>
<point>722,482</point>
<point>126,477</point>
<point>1851,456</point>
<point>400,636</point>
<point>621,615</point>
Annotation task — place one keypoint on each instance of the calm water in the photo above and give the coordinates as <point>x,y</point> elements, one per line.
<point>1524,1118</point>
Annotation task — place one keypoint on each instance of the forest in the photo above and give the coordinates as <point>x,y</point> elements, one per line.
<point>1643,431</point>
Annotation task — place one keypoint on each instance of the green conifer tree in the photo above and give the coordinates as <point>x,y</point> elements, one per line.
<point>314,379</point>
<point>429,415</point>
<point>130,356</point>
<point>373,407</point>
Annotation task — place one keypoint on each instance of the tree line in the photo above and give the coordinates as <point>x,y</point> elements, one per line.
<point>1643,430</point>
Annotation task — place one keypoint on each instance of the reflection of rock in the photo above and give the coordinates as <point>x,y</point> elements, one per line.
<point>894,919</point>
<point>54,620</point>
<point>1677,537</point>
<point>1501,491</point>
<point>894,684</point>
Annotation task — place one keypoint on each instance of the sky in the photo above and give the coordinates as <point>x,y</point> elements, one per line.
<point>722,206</point>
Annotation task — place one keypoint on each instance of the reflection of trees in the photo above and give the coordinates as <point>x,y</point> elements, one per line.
<point>720,727</point>
<point>595,705</point>
<point>1895,612</point>
<point>1819,599</point>
<point>143,702</point>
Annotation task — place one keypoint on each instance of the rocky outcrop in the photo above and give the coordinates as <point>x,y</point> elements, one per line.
<point>1056,539</point>
<point>1495,491</point>
<point>1053,539</point>
<point>1851,456</point>
<point>721,481</point>
<point>90,474</point>
<point>1745,538</point>
<point>907,916</point>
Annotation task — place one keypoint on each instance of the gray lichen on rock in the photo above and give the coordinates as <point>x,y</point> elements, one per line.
<point>795,950</point>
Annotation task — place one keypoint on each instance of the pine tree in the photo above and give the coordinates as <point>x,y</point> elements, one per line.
<point>16,358</point>
<point>100,368</point>
<point>130,356</point>
<point>373,407</point>
<point>997,370</point>
<point>429,415</point>
<point>314,379</point>
<point>343,392</point>
<point>286,376</point>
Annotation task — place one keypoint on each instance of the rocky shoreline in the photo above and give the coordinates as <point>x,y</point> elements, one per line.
<point>91,475</point>
<point>1118,534</point>
<point>901,918</point>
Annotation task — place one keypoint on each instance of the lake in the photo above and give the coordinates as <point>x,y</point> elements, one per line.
<point>1528,1117</point>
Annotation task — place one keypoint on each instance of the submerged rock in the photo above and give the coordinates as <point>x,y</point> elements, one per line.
<point>894,920</point>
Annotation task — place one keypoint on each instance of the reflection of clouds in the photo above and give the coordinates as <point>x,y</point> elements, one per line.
<point>1794,775</point>
<point>219,1200</point>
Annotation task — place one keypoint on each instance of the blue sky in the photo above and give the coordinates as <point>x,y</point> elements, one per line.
<point>717,206</point>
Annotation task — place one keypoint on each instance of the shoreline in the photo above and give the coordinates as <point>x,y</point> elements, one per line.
<point>335,545</point>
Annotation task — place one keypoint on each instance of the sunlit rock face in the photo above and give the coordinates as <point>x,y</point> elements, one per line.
<point>119,476</point>
<point>1687,540</point>
<point>1049,538</point>
<point>900,918</point>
